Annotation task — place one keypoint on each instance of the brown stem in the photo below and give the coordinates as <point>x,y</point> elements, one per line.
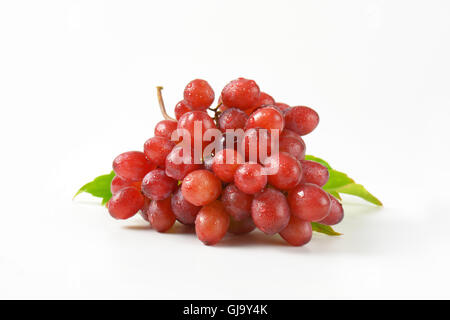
<point>161,104</point>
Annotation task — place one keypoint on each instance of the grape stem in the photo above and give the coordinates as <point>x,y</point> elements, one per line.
<point>161,104</point>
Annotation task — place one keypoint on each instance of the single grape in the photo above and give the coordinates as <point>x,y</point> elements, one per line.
<point>295,147</point>
<point>165,128</point>
<point>118,184</point>
<point>225,164</point>
<point>178,164</point>
<point>201,187</point>
<point>156,185</point>
<point>240,93</point>
<point>230,138</point>
<point>188,120</point>
<point>267,117</point>
<point>160,215</point>
<point>291,134</point>
<point>241,227</point>
<point>232,118</point>
<point>125,203</point>
<point>132,165</point>
<point>336,213</point>
<point>211,223</point>
<point>181,108</point>
<point>314,172</point>
<point>270,211</point>
<point>199,94</point>
<point>249,178</point>
<point>298,232</point>
<point>156,150</point>
<point>309,202</point>
<point>184,211</point>
<point>282,106</point>
<point>301,120</point>
<point>253,143</point>
<point>289,171</point>
<point>237,203</point>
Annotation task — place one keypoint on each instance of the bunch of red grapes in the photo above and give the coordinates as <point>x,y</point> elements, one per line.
<point>218,196</point>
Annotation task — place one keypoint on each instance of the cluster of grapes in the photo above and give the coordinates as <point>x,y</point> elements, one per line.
<point>220,196</point>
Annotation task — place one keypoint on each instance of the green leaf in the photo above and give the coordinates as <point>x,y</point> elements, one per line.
<point>319,160</point>
<point>99,187</point>
<point>321,228</point>
<point>340,182</point>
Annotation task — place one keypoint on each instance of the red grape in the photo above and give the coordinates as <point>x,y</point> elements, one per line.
<point>157,148</point>
<point>125,203</point>
<point>241,227</point>
<point>181,108</point>
<point>297,232</point>
<point>165,128</point>
<point>291,134</point>
<point>288,174</point>
<point>265,99</point>
<point>144,210</point>
<point>199,94</point>
<point>211,223</point>
<point>156,185</point>
<point>249,178</point>
<point>309,202</point>
<point>240,93</point>
<point>232,118</point>
<point>314,172</point>
<point>160,215</point>
<point>184,211</point>
<point>187,122</point>
<point>201,187</point>
<point>270,211</point>
<point>301,120</point>
<point>225,164</point>
<point>237,203</point>
<point>268,118</point>
<point>178,165</point>
<point>132,165</point>
<point>295,147</point>
<point>336,213</point>
<point>118,184</point>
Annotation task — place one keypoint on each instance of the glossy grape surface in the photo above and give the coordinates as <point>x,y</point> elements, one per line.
<point>125,203</point>
<point>184,211</point>
<point>249,178</point>
<point>298,232</point>
<point>288,174</point>
<point>199,94</point>
<point>211,223</point>
<point>309,202</point>
<point>156,185</point>
<point>156,150</point>
<point>240,93</point>
<point>301,119</point>
<point>237,203</point>
<point>132,165</point>
<point>201,187</point>
<point>270,211</point>
<point>336,213</point>
<point>160,215</point>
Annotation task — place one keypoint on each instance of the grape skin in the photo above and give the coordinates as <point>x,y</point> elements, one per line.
<point>165,128</point>
<point>118,184</point>
<point>160,215</point>
<point>336,213</point>
<point>295,147</point>
<point>199,94</point>
<point>270,211</point>
<point>302,120</point>
<point>201,187</point>
<point>125,203</point>
<point>297,232</point>
<point>232,118</point>
<point>181,108</point>
<point>184,211</point>
<point>309,202</point>
<point>249,178</point>
<point>156,150</point>
<point>258,137</point>
<point>132,165</point>
<point>314,172</point>
<point>187,122</point>
<point>156,185</point>
<point>240,93</point>
<point>267,117</point>
<point>289,171</point>
<point>211,223</point>
<point>237,203</point>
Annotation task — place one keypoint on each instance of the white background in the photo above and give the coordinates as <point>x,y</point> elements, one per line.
<point>77,83</point>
